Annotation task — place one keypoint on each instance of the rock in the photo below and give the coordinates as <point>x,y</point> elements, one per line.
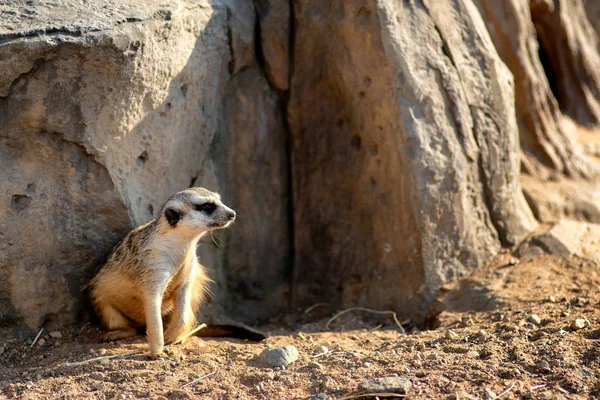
<point>579,323</point>
<point>451,335</point>
<point>321,349</point>
<point>96,376</point>
<point>180,394</point>
<point>398,385</point>
<point>565,237</point>
<point>432,356</point>
<point>488,394</point>
<point>416,100</point>
<point>102,352</point>
<point>546,143</point>
<point>534,319</point>
<point>552,299</point>
<point>56,335</point>
<point>274,18</point>
<point>280,356</point>
<point>315,365</point>
<point>2,350</point>
<point>553,201</point>
<point>571,48</point>
<point>102,121</point>
<point>544,366</point>
<point>257,185</point>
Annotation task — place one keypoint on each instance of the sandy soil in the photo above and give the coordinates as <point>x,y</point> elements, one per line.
<point>488,343</point>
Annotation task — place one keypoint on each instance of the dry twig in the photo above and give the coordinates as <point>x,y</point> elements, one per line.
<point>393,314</point>
<point>37,337</point>
<point>91,360</point>
<point>309,309</point>
<point>200,378</point>
<point>190,333</point>
<point>508,389</point>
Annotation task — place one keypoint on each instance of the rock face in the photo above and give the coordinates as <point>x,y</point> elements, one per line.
<point>405,155</point>
<point>547,143</point>
<point>369,147</point>
<point>102,118</point>
<point>570,45</point>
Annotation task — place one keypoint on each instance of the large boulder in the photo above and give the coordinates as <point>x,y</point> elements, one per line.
<point>105,111</point>
<point>405,151</point>
<point>370,148</point>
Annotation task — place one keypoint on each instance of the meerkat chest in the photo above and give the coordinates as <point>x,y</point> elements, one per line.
<point>182,273</point>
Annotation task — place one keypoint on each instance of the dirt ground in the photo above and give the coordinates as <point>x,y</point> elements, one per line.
<point>489,343</point>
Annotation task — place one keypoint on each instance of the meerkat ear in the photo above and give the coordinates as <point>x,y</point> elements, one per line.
<point>173,216</point>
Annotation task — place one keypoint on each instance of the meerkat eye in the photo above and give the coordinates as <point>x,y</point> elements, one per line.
<point>207,208</point>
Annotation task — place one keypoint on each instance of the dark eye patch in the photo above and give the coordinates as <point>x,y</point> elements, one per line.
<point>207,208</point>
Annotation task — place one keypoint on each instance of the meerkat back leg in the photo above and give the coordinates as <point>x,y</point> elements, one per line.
<point>118,326</point>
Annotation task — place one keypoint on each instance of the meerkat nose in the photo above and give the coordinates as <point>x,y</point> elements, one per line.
<point>231,215</point>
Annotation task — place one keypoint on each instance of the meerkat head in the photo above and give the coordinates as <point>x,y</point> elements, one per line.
<point>196,210</point>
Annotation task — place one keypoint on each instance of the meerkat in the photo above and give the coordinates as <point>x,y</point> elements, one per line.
<point>154,273</point>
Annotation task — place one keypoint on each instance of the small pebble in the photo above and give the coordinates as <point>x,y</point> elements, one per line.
<point>544,366</point>
<point>102,352</point>
<point>552,299</point>
<point>280,356</point>
<point>489,394</point>
<point>579,323</point>
<point>41,342</point>
<point>97,376</point>
<point>354,337</point>
<point>315,365</point>
<point>322,349</point>
<point>535,319</point>
<point>432,356</point>
<point>386,385</point>
<point>180,394</point>
<point>56,335</point>
<point>421,347</point>
<point>1,350</point>
<point>451,335</point>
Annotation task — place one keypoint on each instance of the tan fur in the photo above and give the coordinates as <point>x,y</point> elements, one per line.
<point>153,275</point>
